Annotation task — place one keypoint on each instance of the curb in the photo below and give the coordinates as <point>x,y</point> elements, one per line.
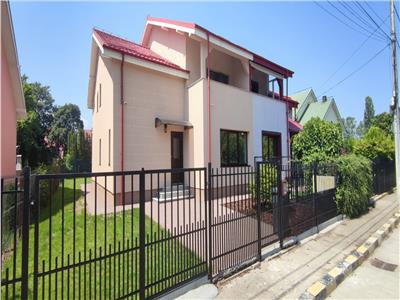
<point>323,287</point>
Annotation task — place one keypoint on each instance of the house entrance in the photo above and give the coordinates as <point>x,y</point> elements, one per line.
<point>177,156</point>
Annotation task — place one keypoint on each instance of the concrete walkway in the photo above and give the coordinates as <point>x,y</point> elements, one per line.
<point>370,281</point>
<point>291,273</point>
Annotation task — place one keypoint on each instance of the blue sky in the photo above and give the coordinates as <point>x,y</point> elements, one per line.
<point>54,38</point>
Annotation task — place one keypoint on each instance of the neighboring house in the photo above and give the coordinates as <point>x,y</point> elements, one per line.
<point>154,107</point>
<point>310,107</point>
<point>12,96</point>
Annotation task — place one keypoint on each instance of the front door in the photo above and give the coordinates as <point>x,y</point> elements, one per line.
<point>177,156</point>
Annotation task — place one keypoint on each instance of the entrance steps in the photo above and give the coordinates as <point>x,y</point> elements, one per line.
<point>174,192</point>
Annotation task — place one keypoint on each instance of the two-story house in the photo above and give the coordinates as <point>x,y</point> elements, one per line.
<point>182,98</point>
<point>12,95</point>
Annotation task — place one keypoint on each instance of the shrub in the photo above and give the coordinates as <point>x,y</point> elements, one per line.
<point>318,140</point>
<point>44,185</point>
<point>354,185</point>
<point>268,185</point>
<point>375,144</point>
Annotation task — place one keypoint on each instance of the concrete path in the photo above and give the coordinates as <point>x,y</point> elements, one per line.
<point>291,273</point>
<point>370,281</point>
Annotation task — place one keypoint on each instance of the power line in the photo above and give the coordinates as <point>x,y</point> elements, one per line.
<point>355,71</point>
<point>357,15</point>
<point>344,23</point>
<point>372,19</point>
<point>353,54</point>
<point>373,10</point>
<point>349,18</point>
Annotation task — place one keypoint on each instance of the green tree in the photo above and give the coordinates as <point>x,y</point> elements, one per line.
<point>29,139</point>
<point>78,157</point>
<point>384,121</point>
<point>31,131</point>
<point>67,119</point>
<point>38,99</point>
<point>369,112</point>
<point>319,140</point>
<point>360,131</point>
<point>350,126</point>
<point>375,144</point>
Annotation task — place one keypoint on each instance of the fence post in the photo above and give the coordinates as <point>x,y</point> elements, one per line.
<point>142,235</point>
<point>315,164</point>
<point>280,204</point>
<point>35,204</point>
<point>258,192</point>
<point>25,235</point>
<point>209,198</point>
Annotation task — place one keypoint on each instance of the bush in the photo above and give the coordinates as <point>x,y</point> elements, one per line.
<point>318,140</point>
<point>375,144</point>
<point>268,185</point>
<point>354,185</point>
<point>44,185</point>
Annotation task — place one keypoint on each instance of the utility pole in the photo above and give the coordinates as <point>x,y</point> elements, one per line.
<point>395,107</point>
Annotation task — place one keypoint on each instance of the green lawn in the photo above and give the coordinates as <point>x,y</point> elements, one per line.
<point>110,276</point>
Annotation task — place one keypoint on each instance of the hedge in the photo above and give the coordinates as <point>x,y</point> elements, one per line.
<point>354,187</point>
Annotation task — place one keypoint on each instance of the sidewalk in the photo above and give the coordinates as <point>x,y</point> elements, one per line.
<point>370,280</point>
<point>291,273</point>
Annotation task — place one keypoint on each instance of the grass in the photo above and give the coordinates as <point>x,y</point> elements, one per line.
<point>66,238</point>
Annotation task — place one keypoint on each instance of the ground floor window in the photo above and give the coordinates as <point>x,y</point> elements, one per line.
<point>271,144</point>
<point>233,148</point>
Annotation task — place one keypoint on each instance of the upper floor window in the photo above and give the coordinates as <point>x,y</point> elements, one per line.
<point>100,95</point>
<point>254,86</point>
<point>233,146</point>
<point>218,76</point>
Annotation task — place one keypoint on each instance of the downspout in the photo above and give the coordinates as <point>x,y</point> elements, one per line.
<point>208,98</point>
<point>122,153</point>
<point>287,121</point>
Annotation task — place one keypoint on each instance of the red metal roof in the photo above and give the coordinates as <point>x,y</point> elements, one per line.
<point>294,126</point>
<point>130,48</point>
<point>257,58</point>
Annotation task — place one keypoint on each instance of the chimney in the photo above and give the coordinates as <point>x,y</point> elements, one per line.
<point>324,98</point>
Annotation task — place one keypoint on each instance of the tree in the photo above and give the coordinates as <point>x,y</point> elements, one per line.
<point>350,126</point>
<point>360,131</point>
<point>67,119</point>
<point>375,144</point>
<point>319,140</point>
<point>31,131</point>
<point>78,157</point>
<point>384,121</point>
<point>38,98</point>
<point>29,139</point>
<point>369,112</point>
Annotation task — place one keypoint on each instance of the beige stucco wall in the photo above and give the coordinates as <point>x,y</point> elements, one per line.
<point>148,94</point>
<point>230,66</point>
<point>169,45</point>
<point>231,108</point>
<point>103,120</point>
<point>193,60</point>
<point>197,107</point>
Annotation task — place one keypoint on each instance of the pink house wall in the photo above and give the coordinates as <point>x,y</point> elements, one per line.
<point>8,121</point>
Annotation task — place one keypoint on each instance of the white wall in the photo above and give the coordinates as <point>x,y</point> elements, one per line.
<point>268,115</point>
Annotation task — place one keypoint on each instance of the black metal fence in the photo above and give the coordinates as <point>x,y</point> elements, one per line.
<point>384,175</point>
<point>139,234</point>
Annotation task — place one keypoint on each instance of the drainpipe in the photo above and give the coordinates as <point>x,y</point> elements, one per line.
<point>208,98</point>
<point>287,120</point>
<point>122,128</point>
